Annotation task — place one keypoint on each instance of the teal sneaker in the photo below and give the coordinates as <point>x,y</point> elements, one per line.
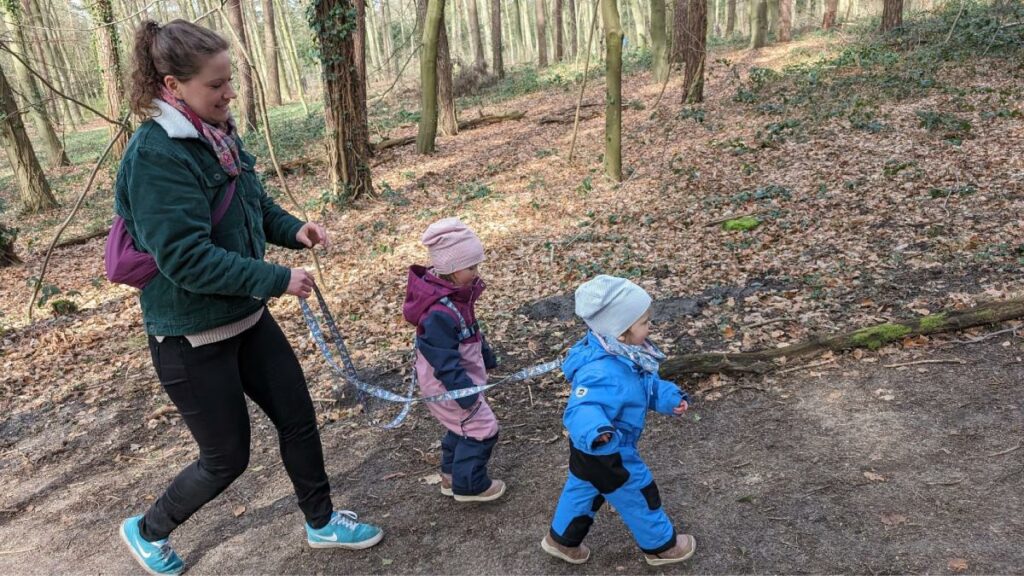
<point>343,531</point>
<point>155,557</point>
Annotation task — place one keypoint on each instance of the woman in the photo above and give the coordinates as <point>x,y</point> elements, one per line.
<point>212,339</point>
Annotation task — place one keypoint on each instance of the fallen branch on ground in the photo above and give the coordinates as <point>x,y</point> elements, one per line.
<point>872,337</point>
<point>463,125</point>
<point>933,361</point>
<point>82,239</point>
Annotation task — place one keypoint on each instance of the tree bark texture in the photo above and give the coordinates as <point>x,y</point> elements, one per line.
<point>892,15</point>
<point>498,62</point>
<point>348,138</point>
<point>476,34</point>
<point>828,21</point>
<point>730,18</point>
<point>696,50</point>
<point>559,39</point>
<point>678,31</point>
<point>542,48</point>
<point>270,54</point>
<point>758,23</point>
<point>248,95</point>
<point>659,42</point>
<point>432,23</point>
<point>613,98</point>
<point>33,188</point>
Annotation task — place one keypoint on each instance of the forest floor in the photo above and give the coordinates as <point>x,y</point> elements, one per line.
<point>881,192</point>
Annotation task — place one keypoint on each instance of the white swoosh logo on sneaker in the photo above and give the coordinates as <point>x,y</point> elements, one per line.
<point>333,538</point>
<point>138,546</point>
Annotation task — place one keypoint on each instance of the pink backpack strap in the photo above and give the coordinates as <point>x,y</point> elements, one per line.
<point>222,208</point>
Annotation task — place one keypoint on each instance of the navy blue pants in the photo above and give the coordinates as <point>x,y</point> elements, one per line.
<point>466,460</point>
<point>623,479</point>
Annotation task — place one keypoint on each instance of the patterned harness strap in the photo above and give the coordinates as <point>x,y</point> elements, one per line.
<point>346,371</point>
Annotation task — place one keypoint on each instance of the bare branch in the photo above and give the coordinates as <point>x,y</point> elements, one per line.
<point>5,48</point>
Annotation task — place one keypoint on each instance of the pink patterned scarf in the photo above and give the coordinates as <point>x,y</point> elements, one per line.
<point>221,140</point>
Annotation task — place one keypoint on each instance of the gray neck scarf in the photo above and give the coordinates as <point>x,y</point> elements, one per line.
<point>648,357</point>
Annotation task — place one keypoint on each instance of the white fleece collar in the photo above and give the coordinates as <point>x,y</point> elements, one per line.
<point>172,121</point>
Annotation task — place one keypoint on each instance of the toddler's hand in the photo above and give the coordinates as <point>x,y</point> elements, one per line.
<point>683,405</point>
<point>603,439</point>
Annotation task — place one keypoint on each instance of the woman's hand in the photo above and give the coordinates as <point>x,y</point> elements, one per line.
<point>301,283</point>
<point>312,234</point>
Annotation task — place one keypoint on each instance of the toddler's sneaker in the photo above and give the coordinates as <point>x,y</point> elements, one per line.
<point>577,555</point>
<point>685,546</point>
<point>493,492</point>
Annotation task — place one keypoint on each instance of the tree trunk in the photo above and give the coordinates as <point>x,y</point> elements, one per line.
<point>248,96</point>
<point>521,33</point>
<point>32,185</point>
<point>758,23</point>
<point>659,42</point>
<point>348,136</point>
<point>542,49</point>
<point>60,57</point>
<point>773,17</point>
<point>873,337</point>
<point>613,99</point>
<point>475,34</point>
<point>828,21</point>
<point>108,54</point>
<point>43,61</point>
<point>259,63</point>
<point>785,20</point>
<point>526,28</point>
<point>432,24</point>
<point>696,51</point>
<point>679,27</point>
<point>374,39</point>
<point>639,28</point>
<point>573,41</point>
<point>730,18</point>
<point>293,55</point>
<point>559,40</point>
<point>496,57</point>
<point>445,85</point>
<point>359,44</point>
<point>29,88</point>
<point>388,41</point>
<point>270,53</point>
<point>892,15</point>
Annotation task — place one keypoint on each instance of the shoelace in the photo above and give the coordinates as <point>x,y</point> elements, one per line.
<point>165,549</point>
<point>346,518</point>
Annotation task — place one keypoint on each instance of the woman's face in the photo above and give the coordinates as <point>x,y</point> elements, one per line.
<point>208,93</point>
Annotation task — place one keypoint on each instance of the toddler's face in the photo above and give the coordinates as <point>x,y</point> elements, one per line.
<point>638,332</point>
<point>466,276</point>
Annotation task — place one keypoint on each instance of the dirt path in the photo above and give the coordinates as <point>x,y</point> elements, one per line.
<point>858,468</point>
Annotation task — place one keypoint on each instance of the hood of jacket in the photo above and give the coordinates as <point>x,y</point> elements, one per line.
<point>425,289</point>
<point>586,351</point>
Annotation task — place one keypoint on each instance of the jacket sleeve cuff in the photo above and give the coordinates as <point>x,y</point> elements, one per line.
<point>608,447</point>
<point>291,228</point>
<point>282,276</point>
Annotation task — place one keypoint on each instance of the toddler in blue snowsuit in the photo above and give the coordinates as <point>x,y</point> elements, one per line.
<point>614,375</point>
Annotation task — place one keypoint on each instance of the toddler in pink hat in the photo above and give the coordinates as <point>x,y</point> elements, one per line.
<point>452,354</point>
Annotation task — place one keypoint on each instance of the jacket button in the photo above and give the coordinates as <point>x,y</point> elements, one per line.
<point>218,176</point>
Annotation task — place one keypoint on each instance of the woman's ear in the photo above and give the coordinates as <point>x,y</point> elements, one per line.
<point>173,85</point>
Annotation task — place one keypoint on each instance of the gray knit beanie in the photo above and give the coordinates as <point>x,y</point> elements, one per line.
<point>610,305</point>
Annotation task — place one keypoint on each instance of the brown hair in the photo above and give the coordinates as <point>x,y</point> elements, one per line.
<point>179,48</point>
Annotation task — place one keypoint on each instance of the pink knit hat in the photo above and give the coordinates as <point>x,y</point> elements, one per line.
<point>452,246</point>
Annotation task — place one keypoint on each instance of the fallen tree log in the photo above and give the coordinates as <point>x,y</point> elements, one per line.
<point>463,125</point>
<point>82,239</point>
<point>568,115</point>
<point>872,337</point>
